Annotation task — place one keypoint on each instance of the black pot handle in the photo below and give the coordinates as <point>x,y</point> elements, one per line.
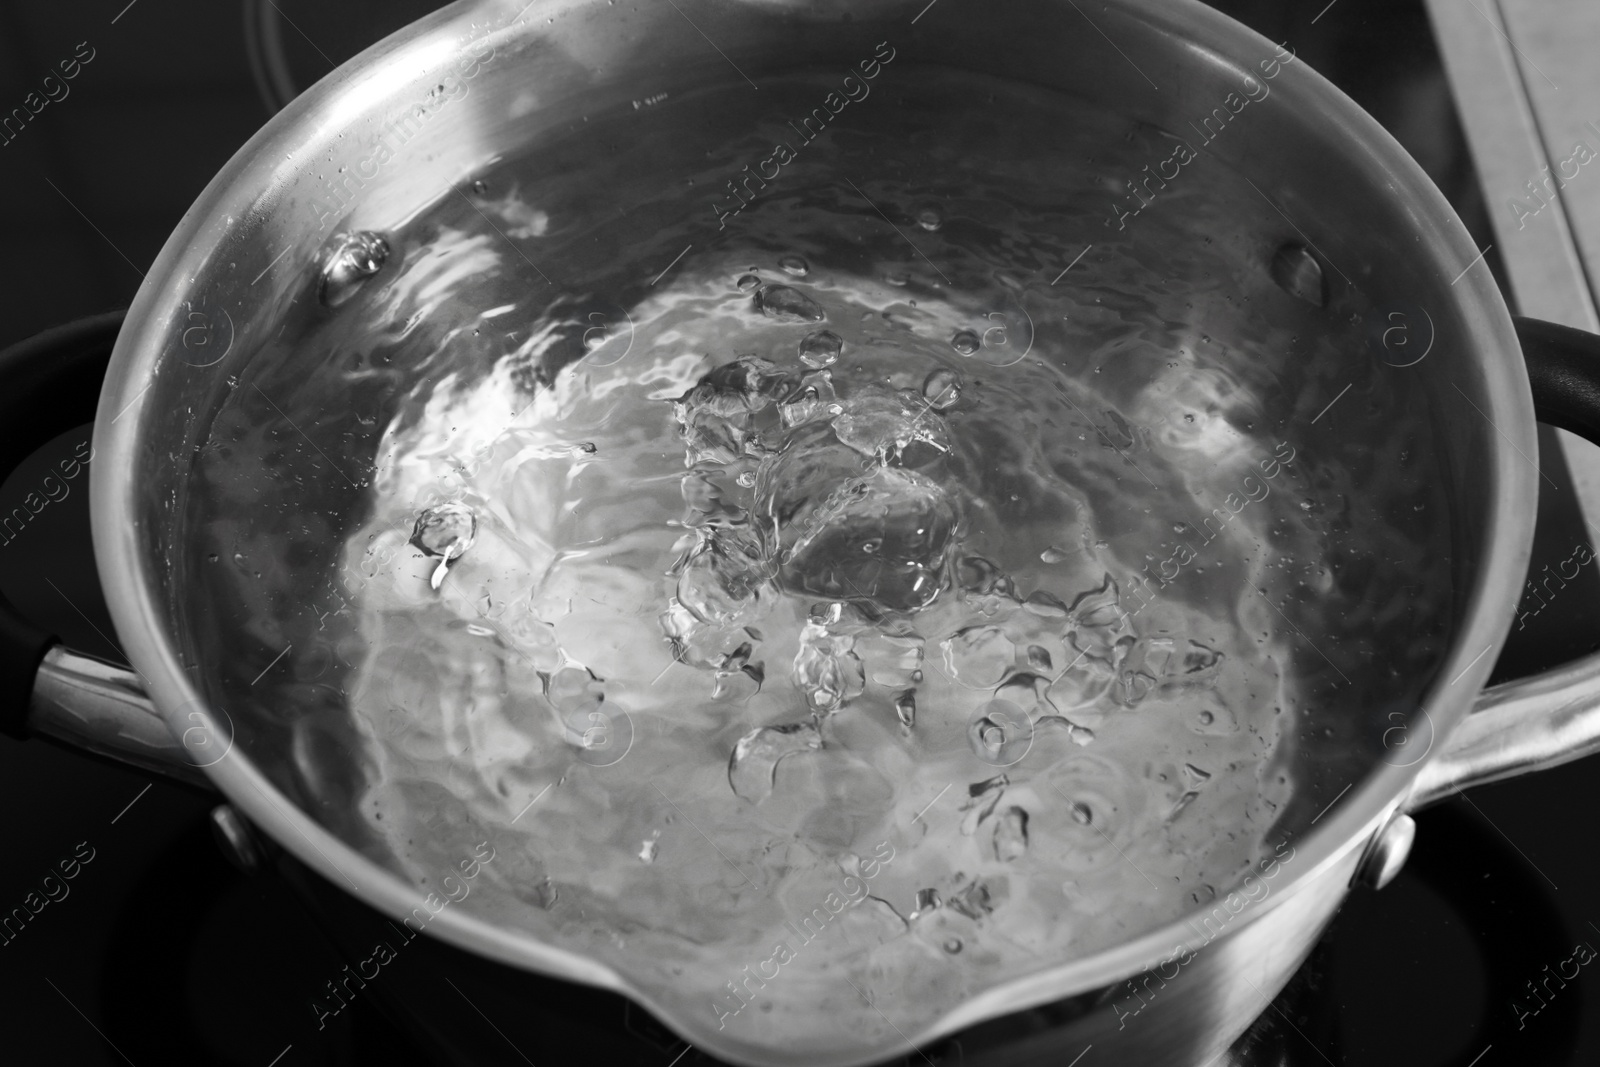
<point>1512,730</point>
<point>1564,370</point>
<point>52,383</point>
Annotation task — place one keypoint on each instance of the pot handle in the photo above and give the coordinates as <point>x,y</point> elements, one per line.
<point>51,383</point>
<point>1552,718</point>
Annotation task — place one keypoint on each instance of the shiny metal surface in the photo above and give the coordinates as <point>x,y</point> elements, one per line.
<point>1388,853</point>
<point>102,708</point>
<point>247,248</point>
<point>1523,726</point>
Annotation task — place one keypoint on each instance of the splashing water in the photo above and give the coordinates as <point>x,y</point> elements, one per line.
<point>446,531</point>
<point>835,566</point>
<point>354,258</point>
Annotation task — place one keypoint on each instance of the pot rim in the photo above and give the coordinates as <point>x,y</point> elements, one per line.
<point>132,585</point>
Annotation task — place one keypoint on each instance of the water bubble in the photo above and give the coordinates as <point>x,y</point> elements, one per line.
<point>480,187</point>
<point>578,697</point>
<point>942,388</point>
<point>736,674</point>
<point>827,669</point>
<point>821,348</point>
<point>1206,718</point>
<point>747,282</point>
<point>953,945</point>
<point>1026,691</point>
<point>982,797</point>
<point>753,767</point>
<point>813,401</point>
<point>1099,609</point>
<point>721,578</point>
<point>966,342</point>
<point>795,265</point>
<point>573,451</point>
<point>905,708</point>
<point>1055,554</point>
<point>1298,273</point>
<point>572,690</point>
<point>718,414</point>
<point>979,575</point>
<point>354,258</point>
<point>978,657</point>
<point>974,900</point>
<point>825,614</point>
<point>885,427</point>
<point>786,304</point>
<point>1044,604</point>
<point>1200,658</point>
<point>212,558</point>
<point>1002,735</point>
<point>1039,658</point>
<point>929,219</point>
<point>1011,835</point>
<point>882,537</point>
<point>446,531</point>
<point>1082,814</point>
<point>693,640</point>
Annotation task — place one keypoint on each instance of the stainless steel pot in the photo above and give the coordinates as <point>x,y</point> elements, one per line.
<point>480,81</point>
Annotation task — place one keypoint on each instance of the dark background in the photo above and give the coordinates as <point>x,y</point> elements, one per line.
<point>162,953</point>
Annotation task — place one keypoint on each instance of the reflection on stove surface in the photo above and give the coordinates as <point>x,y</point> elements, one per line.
<point>1425,974</point>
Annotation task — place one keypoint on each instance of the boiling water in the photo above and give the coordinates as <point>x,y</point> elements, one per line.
<point>853,593</point>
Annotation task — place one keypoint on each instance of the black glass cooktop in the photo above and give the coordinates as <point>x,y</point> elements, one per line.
<point>137,942</point>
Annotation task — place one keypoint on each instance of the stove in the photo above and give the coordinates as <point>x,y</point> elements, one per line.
<point>144,945</point>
